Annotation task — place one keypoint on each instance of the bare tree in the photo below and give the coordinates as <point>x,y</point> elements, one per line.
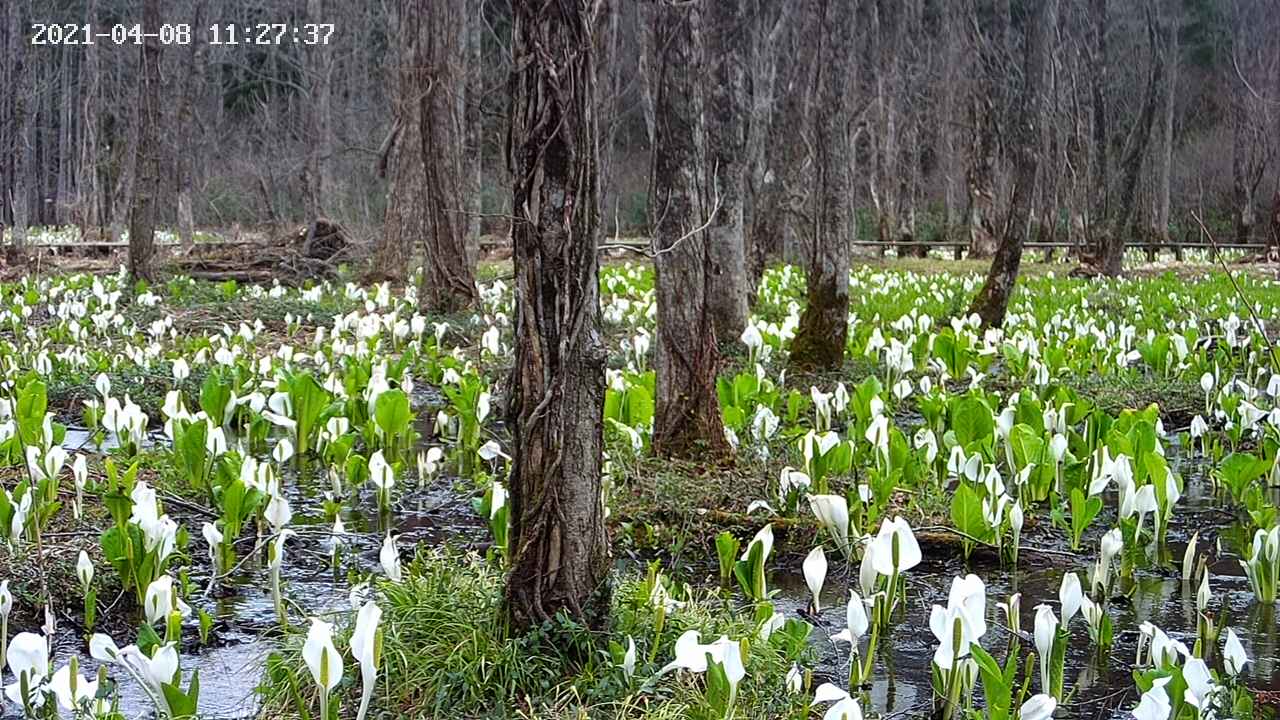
<point>687,420</point>
<point>146,198</point>
<point>558,538</point>
<point>993,299</point>
<point>824,326</point>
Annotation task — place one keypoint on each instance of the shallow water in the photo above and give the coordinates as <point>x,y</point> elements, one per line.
<point>1101,687</point>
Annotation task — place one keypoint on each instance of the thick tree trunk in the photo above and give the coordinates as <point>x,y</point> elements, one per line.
<point>725,170</point>
<point>558,539</point>
<point>1131,164</point>
<point>824,326</point>
<point>146,199</point>
<point>448,284</point>
<point>992,301</point>
<point>687,421</point>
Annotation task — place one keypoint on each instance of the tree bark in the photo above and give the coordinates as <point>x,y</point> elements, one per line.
<point>405,220</point>
<point>558,538</point>
<point>1242,182</point>
<point>990,25</point>
<point>318,174</point>
<point>21,126</point>
<point>726,169</point>
<point>474,127</point>
<point>146,198</point>
<point>1131,163</point>
<point>448,284</point>
<point>1099,162</point>
<point>992,301</point>
<point>687,419</point>
<point>88,214</point>
<point>762,206</point>
<point>819,342</point>
<point>1165,155</point>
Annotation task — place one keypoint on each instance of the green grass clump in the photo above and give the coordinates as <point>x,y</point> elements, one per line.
<point>447,654</point>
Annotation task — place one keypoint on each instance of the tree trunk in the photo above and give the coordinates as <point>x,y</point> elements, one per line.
<point>473,166</point>
<point>761,203</point>
<point>1131,163</point>
<point>188,159</point>
<point>405,219</point>
<point>1242,185</point>
<point>1274,240</point>
<point>23,120</point>
<point>992,301</point>
<point>317,174</point>
<point>146,198</point>
<point>448,284</point>
<point>820,338</point>
<point>1099,176</point>
<point>987,103</point>
<point>725,170</point>
<point>88,214</point>
<point>687,421</point>
<point>558,540</point>
<point>1165,155</point>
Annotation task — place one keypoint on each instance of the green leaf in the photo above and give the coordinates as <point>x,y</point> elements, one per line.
<point>727,550</point>
<point>971,419</point>
<point>966,513</point>
<point>214,396</point>
<point>995,687</point>
<point>1083,511</point>
<point>391,411</point>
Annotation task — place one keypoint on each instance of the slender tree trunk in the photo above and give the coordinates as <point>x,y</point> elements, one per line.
<point>1165,155</point>
<point>88,202</point>
<point>761,205</point>
<point>687,420</point>
<point>318,174</point>
<point>1131,163</point>
<point>405,221</point>
<point>1099,162</point>
<point>987,103</point>
<point>820,339</point>
<point>448,284</point>
<point>1242,186</point>
<point>992,301</point>
<point>558,538</point>
<point>726,169</point>
<point>473,167</point>
<point>146,200</point>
